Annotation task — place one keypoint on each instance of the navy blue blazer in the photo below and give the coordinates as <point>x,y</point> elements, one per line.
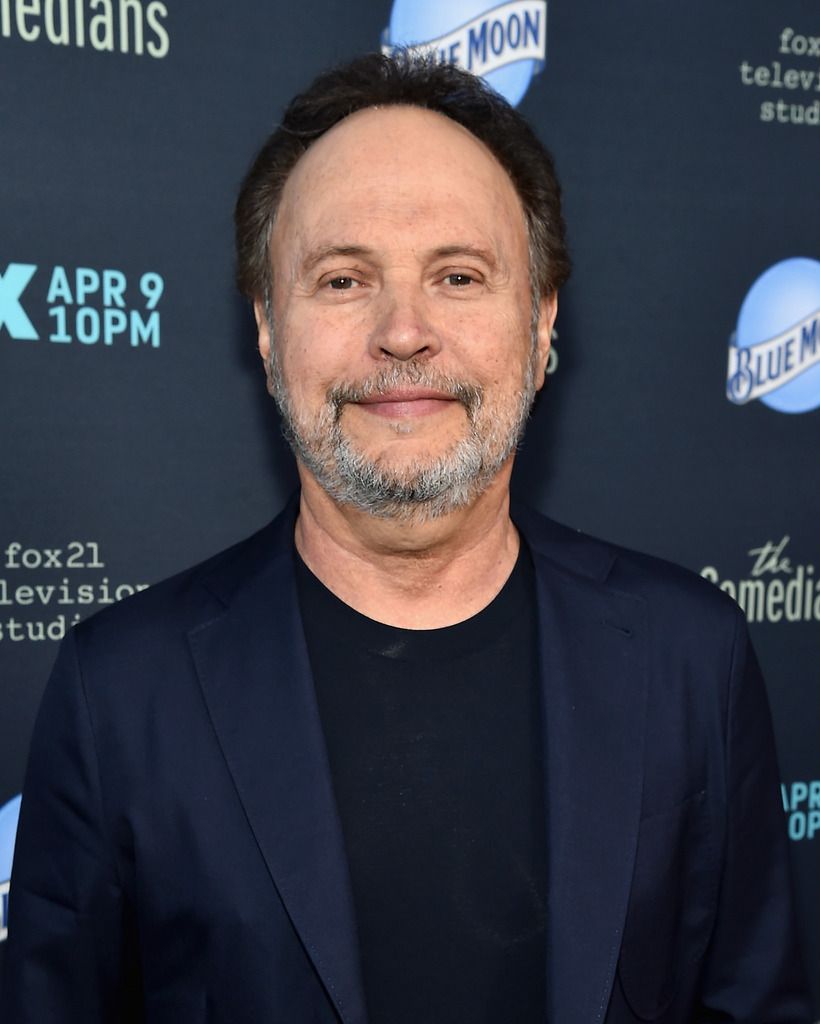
<point>180,858</point>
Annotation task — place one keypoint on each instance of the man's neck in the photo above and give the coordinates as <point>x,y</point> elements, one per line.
<point>411,573</point>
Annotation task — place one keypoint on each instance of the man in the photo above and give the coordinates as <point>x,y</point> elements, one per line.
<point>401,756</point>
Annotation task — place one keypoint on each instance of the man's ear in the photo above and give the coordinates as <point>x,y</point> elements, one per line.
<point>264,339</point>
<point>548,310</point>
<point>262,328</point>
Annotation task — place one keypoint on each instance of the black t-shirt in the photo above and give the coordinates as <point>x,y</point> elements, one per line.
<point>435,746</point>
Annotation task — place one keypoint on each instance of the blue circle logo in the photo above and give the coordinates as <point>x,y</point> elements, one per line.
<point>774,354</point>
<point>9,816</point>
<point>505,44</point>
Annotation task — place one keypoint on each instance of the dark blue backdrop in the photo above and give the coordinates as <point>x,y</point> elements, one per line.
<point>137,436</point>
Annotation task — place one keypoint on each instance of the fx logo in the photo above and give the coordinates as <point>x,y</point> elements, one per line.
<point>12,315</point>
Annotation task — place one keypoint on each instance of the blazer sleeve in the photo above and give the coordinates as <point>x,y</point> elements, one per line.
<point>753,968</point>
<point>69,954</point>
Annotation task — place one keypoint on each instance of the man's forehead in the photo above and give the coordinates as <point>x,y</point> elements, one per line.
<point>392,140</point>
<point>392,123</point>
<point>401,166</point>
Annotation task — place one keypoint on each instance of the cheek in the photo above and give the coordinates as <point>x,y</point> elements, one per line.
<point>301,353</point>
<point>321,343</point>
<point>501,349</point>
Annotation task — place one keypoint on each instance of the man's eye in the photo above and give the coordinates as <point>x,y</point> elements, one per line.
<point>341,284</point>
<point>459,280</point>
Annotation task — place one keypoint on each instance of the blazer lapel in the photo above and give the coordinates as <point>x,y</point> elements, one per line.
<point>255,676</point>
<point>593,650</point>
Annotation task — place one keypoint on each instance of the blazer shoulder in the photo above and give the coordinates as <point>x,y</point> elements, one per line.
<point>663,584</point>
<point>194,595</point>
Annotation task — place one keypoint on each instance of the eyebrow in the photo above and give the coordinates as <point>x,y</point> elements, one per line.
<point>317,256</point>
<point>465,250</point>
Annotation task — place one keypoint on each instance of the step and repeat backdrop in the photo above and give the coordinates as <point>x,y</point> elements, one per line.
<point>682,413</point>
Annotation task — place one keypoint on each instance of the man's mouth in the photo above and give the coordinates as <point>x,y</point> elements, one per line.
<point>401,403</point>
<point>402,393</point>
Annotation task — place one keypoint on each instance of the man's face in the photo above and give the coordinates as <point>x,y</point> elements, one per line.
<point>406,353</point>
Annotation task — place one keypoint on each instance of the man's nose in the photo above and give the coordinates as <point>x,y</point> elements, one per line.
<point>404,328</point>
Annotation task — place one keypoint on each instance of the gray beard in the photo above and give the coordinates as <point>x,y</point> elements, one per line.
<point>426,489</point>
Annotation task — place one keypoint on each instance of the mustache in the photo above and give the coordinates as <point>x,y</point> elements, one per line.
<point>409,374</point>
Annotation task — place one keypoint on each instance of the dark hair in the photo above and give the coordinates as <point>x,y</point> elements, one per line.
<point>408,79</point>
